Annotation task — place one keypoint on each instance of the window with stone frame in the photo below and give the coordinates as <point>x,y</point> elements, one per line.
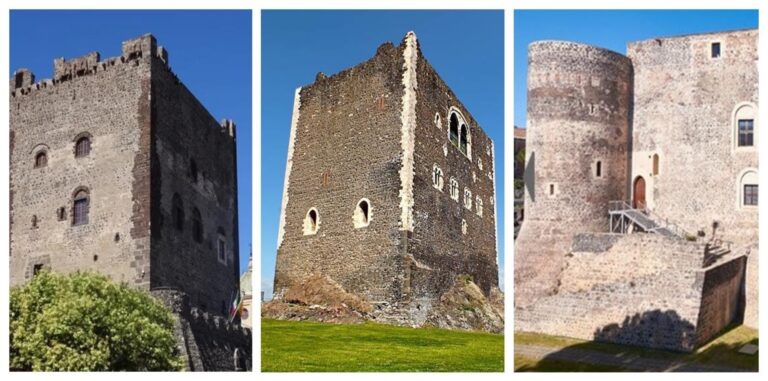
<point>178,212</point>
<point>311,222</point>
<point>454,189</point>
<point>437,177</point>
<point>83,147</point>
<point>746,132</point>
<point>197,226</point>
<point>80,208</point>
<point>467,198</point>
<point>362,216</point>
<point>41,159</point>
<point>750,194</point>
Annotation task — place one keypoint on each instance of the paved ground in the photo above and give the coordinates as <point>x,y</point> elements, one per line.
<point>628,361</point>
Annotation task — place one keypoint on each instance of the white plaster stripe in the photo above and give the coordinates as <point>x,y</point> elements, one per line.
<point>495,208</point>
<point>289,164</point>
<point>407,138</point>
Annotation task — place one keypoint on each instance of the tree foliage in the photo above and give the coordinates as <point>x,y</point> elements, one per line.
<point>85,322</point>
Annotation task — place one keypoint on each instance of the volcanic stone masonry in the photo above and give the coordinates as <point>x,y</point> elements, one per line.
<point>116,167</point>
<point>667,136</point>
<point>389,186</point>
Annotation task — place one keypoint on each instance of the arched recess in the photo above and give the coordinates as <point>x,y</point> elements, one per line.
<point>311,222</point>
<point>747,182</point>
<point>362,215</point>
<point>744,124</point>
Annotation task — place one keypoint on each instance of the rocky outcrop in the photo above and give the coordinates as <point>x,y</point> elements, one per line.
<point>465,306</point>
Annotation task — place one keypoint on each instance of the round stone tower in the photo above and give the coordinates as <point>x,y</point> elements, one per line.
<point>577,145</point>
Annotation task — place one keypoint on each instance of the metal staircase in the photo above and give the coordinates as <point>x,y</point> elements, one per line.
<point>623,219</point>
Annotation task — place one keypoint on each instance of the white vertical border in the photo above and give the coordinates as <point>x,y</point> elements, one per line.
<point>408,130</point>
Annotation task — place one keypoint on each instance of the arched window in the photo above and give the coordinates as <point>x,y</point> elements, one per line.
<point>437,177</point>
<point>748,188</point>
<point>745,126</point>
<point>479,206</point>
<point>655,164</point>
<point>438,122</point>
<point>41,159</point>
<point>463,139</point>
<point>197,226</point>
<point>454,189</point>
<point>83,146</point>
<point>463,226</point>
<point>193,170</point>
<point>467,198</point>
<point>80,207</point>
<point>454,130</point>
<point>362,216</point>
<point>311,222</point>
<point>178,212</point>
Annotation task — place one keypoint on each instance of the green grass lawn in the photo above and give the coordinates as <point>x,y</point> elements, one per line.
<point>722,351</point>
<point>288,346</point>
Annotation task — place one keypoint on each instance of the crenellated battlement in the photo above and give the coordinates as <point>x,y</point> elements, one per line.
<point>133,51</point>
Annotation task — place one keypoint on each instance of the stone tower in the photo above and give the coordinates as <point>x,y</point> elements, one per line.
<point>389,186</point>
<point>116,167</point>
<point>579,104</point>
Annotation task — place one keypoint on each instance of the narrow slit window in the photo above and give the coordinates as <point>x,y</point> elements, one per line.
<point>551,189</point>
<point>599,169</point>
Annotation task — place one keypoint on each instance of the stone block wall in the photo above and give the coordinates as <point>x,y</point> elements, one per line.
<point>107,101</point>
<point>638,289</point>
<point>375,132</point>
<point>194,158</point>
<point>438,241</point>
<point>346,148</point>
<point>145,126</point>
<point>685,102</point>
<point>579,107</point>
<point>207,341</point>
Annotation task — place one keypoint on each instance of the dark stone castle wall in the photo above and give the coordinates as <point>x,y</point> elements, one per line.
<point>183,131</point>
<point>438,241</point>
<point>207,341</point>
<point>346,148</point>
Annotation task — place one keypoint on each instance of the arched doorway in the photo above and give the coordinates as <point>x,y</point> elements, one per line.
<point>638,194</point>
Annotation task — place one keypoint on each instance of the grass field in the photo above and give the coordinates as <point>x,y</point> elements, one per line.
<point>318,347</point>
<point>722,351</point>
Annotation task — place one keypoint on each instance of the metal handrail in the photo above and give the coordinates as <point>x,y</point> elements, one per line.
<point>622,205</point>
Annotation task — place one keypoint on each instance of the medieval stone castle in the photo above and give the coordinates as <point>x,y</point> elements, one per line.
<point>389,186</point>
<point>116,167</point>
<point>641,203</point>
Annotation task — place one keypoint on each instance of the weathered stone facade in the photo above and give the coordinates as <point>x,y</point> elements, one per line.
<point>376,133</point>
<point>159,176</point>
<point>663,124</point>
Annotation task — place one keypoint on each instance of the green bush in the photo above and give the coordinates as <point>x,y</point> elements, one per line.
<point>85,322</point>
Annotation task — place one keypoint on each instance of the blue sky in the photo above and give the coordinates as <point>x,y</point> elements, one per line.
<point>611,30</point>
<point>465,47</point>
<point>210,51</point>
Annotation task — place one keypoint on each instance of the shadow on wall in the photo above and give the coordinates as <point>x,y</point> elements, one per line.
<point>620,349</point>
<point>652,329</point>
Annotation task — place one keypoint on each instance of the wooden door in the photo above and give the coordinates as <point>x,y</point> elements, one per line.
<point>638,194</point>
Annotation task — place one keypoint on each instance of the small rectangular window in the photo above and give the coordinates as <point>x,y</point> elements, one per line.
<point>746,132</point>
<point>715,50</point>
<point>750,194</point>
<point>551,189</point>
<point>37,269</point>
